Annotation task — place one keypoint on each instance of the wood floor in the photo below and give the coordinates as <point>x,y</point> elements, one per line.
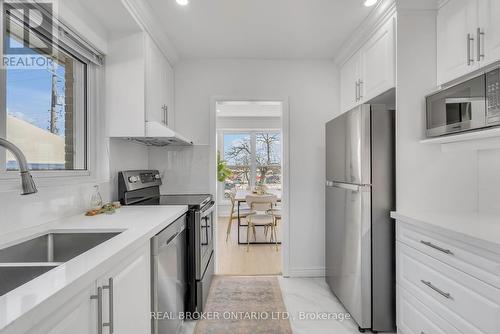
<point>234,259</point>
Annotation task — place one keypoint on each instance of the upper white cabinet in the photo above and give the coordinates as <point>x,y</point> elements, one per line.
<point>139,86</point>
<point>159,86</point>
<point>371,70</point>
<point>349,82</point>
<point>378,63</point>
<point>489,24</point>
<point>468,37</point>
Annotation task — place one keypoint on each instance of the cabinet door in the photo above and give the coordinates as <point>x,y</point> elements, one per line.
<point>455,20</point>
<point>131,295</point>
<point>378,63</point>
<point>170,95</point>
<point>349,76</point>
<point>78,316</point>
<point>489,23</point>
<point>156,82</point>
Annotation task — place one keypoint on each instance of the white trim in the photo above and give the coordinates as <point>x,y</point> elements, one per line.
<point>306,272</point>
<point>380,14</point>
<point>145,18</point>
<point>285,164</point>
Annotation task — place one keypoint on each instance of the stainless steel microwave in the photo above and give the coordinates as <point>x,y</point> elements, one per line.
<point>473,104</point>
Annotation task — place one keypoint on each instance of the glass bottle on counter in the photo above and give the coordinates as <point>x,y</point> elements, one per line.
<point>96,199</point>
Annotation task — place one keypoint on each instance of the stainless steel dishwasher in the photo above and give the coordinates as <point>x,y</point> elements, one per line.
<point>168,277</point>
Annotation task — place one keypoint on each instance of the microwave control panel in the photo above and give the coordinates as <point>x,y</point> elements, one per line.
<point>493,96</point>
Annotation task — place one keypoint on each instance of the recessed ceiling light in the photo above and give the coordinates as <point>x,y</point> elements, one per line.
<point>182,2</point>
<point>369,3</point>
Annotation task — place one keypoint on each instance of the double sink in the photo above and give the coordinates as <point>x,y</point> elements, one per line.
<point>22,262</point>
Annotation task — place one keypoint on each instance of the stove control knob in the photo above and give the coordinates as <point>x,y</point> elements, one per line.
<point>133,179</point>
<point>157,176</point>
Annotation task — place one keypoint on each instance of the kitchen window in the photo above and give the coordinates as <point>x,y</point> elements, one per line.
<point>47,72</point>
<point>254,158</point>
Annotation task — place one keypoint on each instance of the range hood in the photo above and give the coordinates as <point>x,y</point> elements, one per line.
<point>157,134</point>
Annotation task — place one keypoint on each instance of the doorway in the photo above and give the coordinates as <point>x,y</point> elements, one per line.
<point>251,158</point>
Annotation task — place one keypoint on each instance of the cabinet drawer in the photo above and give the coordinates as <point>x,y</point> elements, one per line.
<point>475,261</point>
<point>470,304</point>
<point>416,318</point>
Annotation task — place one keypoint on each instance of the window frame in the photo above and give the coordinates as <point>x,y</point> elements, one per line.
<point>253,166</point>
<point>94,127</point>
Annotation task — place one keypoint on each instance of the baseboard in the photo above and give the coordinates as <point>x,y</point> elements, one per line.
<point>306,272</point>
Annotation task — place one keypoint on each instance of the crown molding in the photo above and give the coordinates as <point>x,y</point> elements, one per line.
<point>144,15</point>
<point>379,15</point>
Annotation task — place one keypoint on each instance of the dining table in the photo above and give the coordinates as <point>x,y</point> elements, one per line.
<point>240,197</point>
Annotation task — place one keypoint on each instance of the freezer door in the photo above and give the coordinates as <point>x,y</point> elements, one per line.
<point>348,147</point>
<point>348,248</point>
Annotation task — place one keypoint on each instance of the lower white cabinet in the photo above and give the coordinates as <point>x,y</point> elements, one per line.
<point>440,288</point>
<point>77,316</point>
<point>127,296</point>
<point>118,302</point>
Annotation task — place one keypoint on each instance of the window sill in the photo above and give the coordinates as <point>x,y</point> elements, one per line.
<point>10,181</point>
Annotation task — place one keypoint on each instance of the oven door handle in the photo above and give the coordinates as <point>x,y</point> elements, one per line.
<point>208,211</point>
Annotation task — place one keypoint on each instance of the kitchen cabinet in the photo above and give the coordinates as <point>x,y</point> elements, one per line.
<point>489,25</point>
<point>78,316</point>
<point>378,63</point>
<point>370,71</point>
<point>445,284</point>
<point>159,86</point>
<point>127,295</point>
<point>120,299</point>
<point>456,27</point>
<point>468,37</point>
<point>139,86</point>
<point>349,82</point>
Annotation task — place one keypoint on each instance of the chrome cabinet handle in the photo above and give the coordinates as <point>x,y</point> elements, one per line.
<point>165,114</point>
<point>430,244</point>
<point>470,39</point>
<point>98,297</point>
<point>356,91</point>
<point>109,287</point>
<point>441,292</point>
<point>360,85</point>
<point>480,47</point>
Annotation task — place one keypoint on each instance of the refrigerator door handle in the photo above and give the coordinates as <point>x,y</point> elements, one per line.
<point>347,186</point>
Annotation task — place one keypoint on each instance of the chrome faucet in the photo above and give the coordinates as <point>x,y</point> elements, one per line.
<point>27,182</point>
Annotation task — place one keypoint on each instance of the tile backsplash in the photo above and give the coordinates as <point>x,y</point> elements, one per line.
<point>183,169</point>
<point>50,203</point>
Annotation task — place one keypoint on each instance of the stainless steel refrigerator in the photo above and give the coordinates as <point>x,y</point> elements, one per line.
<point>360,193</point>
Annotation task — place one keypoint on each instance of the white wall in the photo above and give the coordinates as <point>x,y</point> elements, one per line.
<point>312,91</point>
<point>236,123</point>
<point>427,178</point>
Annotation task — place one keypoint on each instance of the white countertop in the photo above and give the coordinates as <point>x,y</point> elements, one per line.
<point>139,224</point>
<point>482,229</point>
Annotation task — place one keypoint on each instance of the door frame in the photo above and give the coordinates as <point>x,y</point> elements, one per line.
<point>285,165</point>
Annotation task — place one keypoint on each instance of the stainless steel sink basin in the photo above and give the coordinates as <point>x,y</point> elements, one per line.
<point>27,260</point>
<point>53,247</point>
<point>13,276</point>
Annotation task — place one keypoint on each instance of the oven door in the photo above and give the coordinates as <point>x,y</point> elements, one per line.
<point>458,108</point>
<point>204,238</point>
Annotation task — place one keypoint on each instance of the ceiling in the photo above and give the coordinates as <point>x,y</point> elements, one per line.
<point>248,109</point>
<point>260,29</point>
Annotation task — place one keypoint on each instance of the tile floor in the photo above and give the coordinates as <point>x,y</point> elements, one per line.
<point>309,297</point>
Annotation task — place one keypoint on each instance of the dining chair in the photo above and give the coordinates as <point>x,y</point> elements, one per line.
<point>244,212</point>
<point>263,215</point>
<point>276,213</point>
